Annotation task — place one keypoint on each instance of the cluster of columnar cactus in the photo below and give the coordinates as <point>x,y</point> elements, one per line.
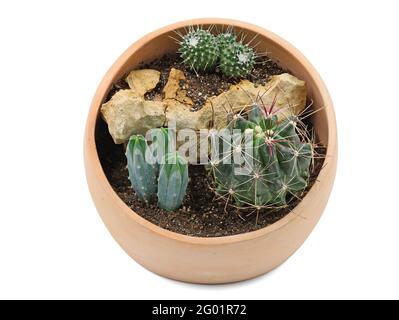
<point>202,51</point>
<point>156,173</point>
<point>278,161</point>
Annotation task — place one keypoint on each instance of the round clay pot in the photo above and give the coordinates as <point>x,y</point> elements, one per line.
<point>219,259</point>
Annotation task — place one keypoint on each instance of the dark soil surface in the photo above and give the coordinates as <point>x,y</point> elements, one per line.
<point>201,214</point>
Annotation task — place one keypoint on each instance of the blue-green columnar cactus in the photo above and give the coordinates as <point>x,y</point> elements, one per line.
<point>199,50</point>
<point>236,60</point>
<point>172,182</point>
<point>280,166</point>
<point>142,174</point>
<point>154,171</point>
<point>161,144</point>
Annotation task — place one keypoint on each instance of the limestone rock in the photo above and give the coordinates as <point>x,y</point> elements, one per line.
<point>173,90</point>
<point>128,114</point>
<point>142,81</point>
<point>290,94</point>
<point>289,91</point>
<point>181,115</point>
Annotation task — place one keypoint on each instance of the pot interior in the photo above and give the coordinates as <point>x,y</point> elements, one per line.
<point>158,45</point>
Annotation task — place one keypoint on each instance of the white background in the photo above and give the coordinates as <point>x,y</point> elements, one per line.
<point>53,54</point>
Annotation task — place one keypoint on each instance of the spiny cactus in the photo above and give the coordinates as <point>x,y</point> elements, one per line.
<point>142,174</point>
<point>199,50</point>
<point>225,39</point>
<point>172,182</point>
<point>280,162</point>
<point>202,51</point>
<point>236,60</point>
<point>156,172</point>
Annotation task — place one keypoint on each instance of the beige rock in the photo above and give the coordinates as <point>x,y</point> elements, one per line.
<point>142,81</point>
<point>290,94</point>
<point>128,114</point>
<point>173,90</point>
<point>180,114</point>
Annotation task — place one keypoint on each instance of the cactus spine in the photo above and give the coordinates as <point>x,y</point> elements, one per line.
<point>281,163</point>
<point>225,39</point>
<point>172,182</point>
<point>142,175</point>
<point>236,60</point>
<point>202,51</point>
<point>199,50</point>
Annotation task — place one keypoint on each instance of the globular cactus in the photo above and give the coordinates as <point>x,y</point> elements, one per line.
<point>225,39</point>
<point>199,50</point>
<point>280,162</point>
<point>236,60</point>
<point>202,51</point>
<point>142,173</point>
<point>172,182</point>
<point>154,171</point>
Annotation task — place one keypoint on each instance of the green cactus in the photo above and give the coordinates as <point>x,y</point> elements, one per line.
<point>236,60</point>
<point>161,144</point>
<point>156,172</point>
<point>202,51</point>
<point>142,174</point>
<point>281,162</point>
<point>225,39</point>
<point>172,182</point>
<point>199,50</point>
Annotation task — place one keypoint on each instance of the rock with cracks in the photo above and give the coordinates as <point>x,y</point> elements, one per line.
<point>142,81</point>
<point>129,113</point>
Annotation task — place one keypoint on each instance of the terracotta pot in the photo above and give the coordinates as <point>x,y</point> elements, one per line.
<point>221,259</point>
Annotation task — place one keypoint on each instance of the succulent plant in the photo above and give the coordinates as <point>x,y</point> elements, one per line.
<point>236,59</point>
<point>280,167</point>
<point>199,50</point>
<point>172,182</point>
<point>156,172</point>
<point>142,174</point>
<point>202,51</point>
<point>161,144</point>
<point>225,39</point>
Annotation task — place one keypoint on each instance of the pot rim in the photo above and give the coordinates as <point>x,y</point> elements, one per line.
<point>91,148</point>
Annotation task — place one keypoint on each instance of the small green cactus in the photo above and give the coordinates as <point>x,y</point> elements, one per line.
<point>225,39</point>
<point>156,172</point>
<point>281,163</point>
<point>202,51</point>
<point>142,174</point>
<point>236,60</point>
<point>172,182</point>
<point>199,50</point>
<point>161,144</point>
